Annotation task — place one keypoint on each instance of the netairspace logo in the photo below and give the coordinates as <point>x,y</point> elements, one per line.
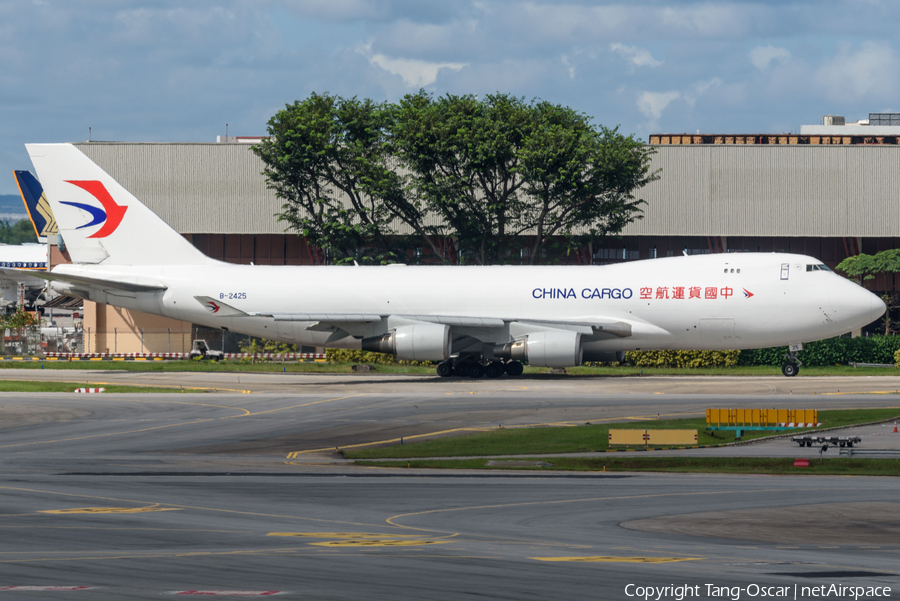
<point>753,591</point>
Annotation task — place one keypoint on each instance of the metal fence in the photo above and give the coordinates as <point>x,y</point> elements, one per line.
<point>135,340</point>
<point>22,341</point>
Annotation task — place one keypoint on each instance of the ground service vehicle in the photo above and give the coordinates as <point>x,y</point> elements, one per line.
<point>200,348</point>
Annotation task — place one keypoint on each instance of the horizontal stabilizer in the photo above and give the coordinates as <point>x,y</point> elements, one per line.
<point>101,283</point>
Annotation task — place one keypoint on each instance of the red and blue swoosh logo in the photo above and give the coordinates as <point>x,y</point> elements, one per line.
<point>110,215</point>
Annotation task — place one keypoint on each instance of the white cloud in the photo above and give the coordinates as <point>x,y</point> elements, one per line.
<point>569,66</point>
<point>700,89</point>
<point>415,73</point>
<point>869,72</point>
<point>638,57</point>
<point>762,56</point>
<point>652,104</point>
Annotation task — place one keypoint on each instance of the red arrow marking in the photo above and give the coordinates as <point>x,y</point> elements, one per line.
<point>114,212</point>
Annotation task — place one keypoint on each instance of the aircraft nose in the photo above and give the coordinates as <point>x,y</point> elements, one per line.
<point>876,308</point>
<point>855,306</point>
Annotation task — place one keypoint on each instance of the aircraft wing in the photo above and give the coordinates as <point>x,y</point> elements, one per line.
<point>329,317</point>
<point>101,283</point>
<point>619,329</point>
<point>450,320</point>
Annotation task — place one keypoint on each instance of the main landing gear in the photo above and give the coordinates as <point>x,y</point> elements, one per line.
<point>791,365</point>
<point>470,368</point>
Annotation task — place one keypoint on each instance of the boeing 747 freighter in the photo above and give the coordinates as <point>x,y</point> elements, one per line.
<point>473,321</point>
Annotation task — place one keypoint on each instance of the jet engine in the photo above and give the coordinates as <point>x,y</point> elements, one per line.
<point>555,348</point>
<point>417,342</point>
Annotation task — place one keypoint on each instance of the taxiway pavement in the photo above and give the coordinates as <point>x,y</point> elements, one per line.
<point>141,496</point>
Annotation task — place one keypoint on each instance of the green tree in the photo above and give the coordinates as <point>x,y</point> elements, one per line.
<point>463,157</point>
<point>579,182</point>
<point>17,233</point>
<point>327,159</point>
<point>498,169</point>
<point>491,173</point>
<point>865,267</point>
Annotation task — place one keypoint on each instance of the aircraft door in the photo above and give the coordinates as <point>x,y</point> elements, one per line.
<point>785,270</point>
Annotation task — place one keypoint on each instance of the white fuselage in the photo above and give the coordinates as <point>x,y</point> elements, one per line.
<point>25,258</point>
<point>722,301</point>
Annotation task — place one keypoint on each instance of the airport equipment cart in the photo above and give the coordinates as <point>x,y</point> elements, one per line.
<point>807,440</point>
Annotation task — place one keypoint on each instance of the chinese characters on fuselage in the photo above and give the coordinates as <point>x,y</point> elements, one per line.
<point>646,293</point>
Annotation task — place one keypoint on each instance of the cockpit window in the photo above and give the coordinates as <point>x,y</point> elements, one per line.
<point>818,267</point>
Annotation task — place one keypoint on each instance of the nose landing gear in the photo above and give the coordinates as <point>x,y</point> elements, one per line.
<point>791,365</point>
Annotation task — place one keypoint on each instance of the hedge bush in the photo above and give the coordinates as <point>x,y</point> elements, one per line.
<point>833,351</point>
<point>691,359</point>
<point>336,355</point>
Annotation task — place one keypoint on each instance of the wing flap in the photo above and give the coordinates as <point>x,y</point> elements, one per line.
<point>326,317</point>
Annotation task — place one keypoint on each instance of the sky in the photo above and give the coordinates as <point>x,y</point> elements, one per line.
<point>176,71</point>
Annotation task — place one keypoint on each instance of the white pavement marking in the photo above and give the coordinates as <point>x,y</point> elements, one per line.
<point>44,588</point>
<point>230,593</point>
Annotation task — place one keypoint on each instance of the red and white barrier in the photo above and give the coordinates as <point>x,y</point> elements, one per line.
<point>799,425</point>
<point>90,390</point>
<point>273,356</point>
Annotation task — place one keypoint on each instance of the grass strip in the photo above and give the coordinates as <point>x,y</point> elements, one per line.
<point>588,437</point>
<point>706,465</point>
<point>28,386</point>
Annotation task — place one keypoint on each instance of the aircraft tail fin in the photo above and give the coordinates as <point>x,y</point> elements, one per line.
<point>101,222</point>
<point>36,204</point>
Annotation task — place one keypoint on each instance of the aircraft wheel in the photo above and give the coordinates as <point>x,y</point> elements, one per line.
<point>514,368</point>
<point>476,370</point>
<point>494,369</point>
<point>445,369</point>
<point>790,369</point>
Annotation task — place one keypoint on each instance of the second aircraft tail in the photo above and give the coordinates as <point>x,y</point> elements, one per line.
<point>36,204</point>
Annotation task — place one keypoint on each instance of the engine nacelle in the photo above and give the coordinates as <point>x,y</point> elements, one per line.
<point>417,342</point>
<point>556,348</point>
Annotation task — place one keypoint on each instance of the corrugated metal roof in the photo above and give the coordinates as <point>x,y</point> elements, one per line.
<point>773,191</point>
<point>723,190</point>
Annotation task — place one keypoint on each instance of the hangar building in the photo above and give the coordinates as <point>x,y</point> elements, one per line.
<point>830,192</point>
